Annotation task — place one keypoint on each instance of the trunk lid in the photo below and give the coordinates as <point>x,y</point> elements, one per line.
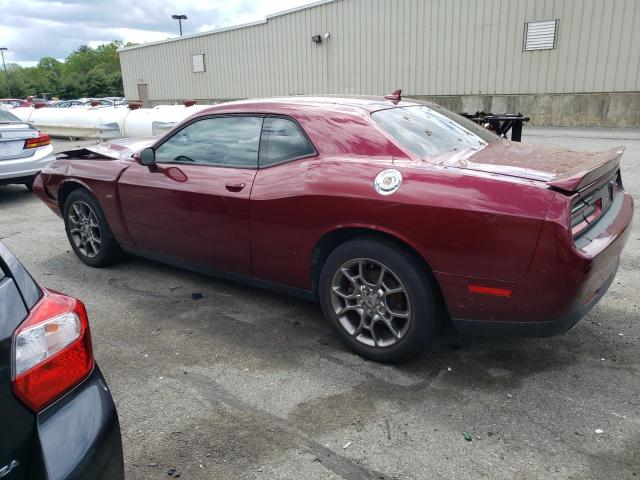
<point>566,170</point>
<point>17,291</point>
<point>12,137</point>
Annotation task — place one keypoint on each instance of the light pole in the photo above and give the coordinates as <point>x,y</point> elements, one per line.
<point>6,77</point>
<point>179,18</point>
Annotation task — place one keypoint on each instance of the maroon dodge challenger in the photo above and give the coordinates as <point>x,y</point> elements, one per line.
<point>392,213</point>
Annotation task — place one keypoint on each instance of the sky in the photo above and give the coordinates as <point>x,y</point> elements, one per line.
<point>32,29</point>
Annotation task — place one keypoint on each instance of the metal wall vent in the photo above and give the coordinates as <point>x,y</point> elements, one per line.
<point>197,61</point>
<point>540,35</point>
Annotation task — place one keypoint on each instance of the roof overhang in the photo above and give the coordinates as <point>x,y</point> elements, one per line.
<point>228,29</point>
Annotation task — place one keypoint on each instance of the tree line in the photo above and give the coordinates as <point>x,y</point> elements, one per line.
<point>87,72</point>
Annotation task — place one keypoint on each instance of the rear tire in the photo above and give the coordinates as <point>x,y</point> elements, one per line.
<point>378,299</point>
<point>88,231</point>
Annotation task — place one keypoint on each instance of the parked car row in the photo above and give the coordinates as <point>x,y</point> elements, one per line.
<point>89,102</point>
<point>9,103</point>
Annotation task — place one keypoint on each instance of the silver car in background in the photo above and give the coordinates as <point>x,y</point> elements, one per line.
<point>24,150</point>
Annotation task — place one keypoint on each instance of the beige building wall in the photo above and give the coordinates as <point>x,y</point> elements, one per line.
<point>449,48</point>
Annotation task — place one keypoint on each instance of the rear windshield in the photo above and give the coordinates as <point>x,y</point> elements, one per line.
<point>8,117</point>
<point>429,131</point>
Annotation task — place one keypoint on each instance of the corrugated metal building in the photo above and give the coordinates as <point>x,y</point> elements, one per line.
<point>563,62</point>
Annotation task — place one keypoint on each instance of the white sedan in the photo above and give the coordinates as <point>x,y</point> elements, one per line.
<point>24,150</point>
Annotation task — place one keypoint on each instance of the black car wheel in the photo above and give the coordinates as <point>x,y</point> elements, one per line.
<point>378,299</point>
<point>88,231</point>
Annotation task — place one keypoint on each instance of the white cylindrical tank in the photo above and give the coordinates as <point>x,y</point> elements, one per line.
<point>106,122</point>
<point>146,122</point>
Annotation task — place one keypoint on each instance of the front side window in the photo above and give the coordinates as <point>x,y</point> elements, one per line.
<point>282,140</point>
<point>217,141</point>
<point>429,131</point>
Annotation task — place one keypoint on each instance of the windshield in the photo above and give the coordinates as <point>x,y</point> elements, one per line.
<point>8,117</point>
<point>429,131</point>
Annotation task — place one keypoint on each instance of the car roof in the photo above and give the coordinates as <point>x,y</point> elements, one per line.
<point>329,102</point>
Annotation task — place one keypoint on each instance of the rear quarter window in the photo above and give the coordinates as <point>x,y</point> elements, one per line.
<point>282,140</point>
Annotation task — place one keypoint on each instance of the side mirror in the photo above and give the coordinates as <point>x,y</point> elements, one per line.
<point>147,157</point>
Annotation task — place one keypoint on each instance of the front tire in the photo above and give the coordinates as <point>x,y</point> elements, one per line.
<point>378,299</point>
<point>88,231</point>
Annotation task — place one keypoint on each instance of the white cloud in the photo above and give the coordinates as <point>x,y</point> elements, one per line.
<point>32,29</point>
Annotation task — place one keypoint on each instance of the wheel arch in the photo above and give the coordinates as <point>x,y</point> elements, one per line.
<point>336,237</point>
<point>68,186</point>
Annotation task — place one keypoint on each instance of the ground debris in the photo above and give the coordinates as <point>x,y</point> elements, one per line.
<point>173,472</point>
<point>196,296</point>
<point>467,436</point>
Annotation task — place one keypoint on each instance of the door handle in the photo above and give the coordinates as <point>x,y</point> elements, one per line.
<point>235,186</point>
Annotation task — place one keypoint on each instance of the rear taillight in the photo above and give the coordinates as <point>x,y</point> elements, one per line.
<point>582,215</point>
<point>589,206</point>
<point>52,350</point>
<point>40,141</point>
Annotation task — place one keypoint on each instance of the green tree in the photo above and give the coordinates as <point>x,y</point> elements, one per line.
<point>86,72</point>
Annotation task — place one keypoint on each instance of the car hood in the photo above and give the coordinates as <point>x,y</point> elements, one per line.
<point>564,169</point>
<point>121,148</point>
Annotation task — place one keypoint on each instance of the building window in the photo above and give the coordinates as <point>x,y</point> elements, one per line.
<point>197,62</point>
<point>540,35</point>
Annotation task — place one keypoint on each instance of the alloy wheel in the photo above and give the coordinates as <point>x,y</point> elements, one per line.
<point>84,229</point>
<point>371,302</point>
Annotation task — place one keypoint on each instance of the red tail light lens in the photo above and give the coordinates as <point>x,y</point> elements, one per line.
<point>42,140</point>
<point>52,350</point>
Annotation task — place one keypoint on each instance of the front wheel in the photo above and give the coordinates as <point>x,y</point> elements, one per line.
<point>88,231</point>
<point>378,299</point>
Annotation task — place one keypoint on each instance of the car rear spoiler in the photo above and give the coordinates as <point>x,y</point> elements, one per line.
<point>599,165</point>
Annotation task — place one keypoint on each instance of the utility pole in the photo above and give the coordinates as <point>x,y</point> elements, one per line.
<point>6,77</point>
<point>179,18</point>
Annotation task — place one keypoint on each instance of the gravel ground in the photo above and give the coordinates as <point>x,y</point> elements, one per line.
<point>244,383</point>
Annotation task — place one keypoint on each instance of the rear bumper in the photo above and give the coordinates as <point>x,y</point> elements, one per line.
<point>20,168</point>
<point>547,328</point>
<point>80,435</point>
<point>564,281</point>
